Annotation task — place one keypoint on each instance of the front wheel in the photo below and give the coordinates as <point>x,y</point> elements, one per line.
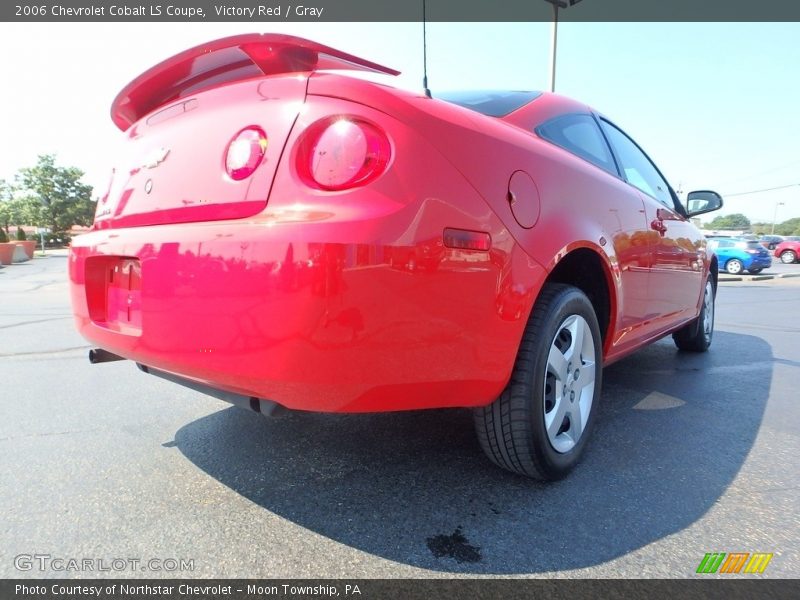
<point>734,266</point>
<point>788,257</point>
<point>696,336</point>
<point>539,425</point>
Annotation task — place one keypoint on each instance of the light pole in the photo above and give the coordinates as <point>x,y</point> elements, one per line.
<point>775,216</point>
<point>554,40</point>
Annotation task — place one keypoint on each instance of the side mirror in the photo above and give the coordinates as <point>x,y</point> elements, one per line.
<point>701,202</point>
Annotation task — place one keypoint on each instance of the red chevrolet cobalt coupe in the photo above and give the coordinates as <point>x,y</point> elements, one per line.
<point>280,236</point>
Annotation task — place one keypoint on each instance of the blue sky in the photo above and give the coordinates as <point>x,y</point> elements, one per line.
<point>715,105</point>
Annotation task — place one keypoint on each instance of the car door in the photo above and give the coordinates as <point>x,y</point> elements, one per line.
<point>617,208</point>
<point>676,272</point>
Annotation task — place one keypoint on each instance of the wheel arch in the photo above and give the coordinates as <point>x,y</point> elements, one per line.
<point>590,271</point>
<point>713,270</point>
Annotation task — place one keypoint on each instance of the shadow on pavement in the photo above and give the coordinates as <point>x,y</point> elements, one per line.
<point>673,430</point>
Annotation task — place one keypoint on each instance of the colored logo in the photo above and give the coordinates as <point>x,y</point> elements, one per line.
<point>734,562</point>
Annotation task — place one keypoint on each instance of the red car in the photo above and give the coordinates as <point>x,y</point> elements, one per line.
<point>788,251</point>
<point>278,236</point>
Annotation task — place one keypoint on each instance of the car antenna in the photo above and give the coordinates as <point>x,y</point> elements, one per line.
<point>425,53</point>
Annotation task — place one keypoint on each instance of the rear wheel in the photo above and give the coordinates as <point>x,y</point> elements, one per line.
<point>539,425</point>
<point>734,266</point>
<point>755,271</point>
<point>697,335</point>
<point>788,257</point>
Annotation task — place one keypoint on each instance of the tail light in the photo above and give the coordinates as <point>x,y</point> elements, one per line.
<point>244,152</point>
<point>342,153</point>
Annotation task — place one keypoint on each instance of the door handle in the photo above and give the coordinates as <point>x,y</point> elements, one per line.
<point>658,225</point>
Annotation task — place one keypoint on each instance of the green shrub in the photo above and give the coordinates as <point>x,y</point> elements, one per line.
<point>58,239</point>
<point>3,236</point>
<point>21,235</point>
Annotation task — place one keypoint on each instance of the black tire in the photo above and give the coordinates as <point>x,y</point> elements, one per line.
<point>512,430</point>
<point>755,271</point>
<point>734,266</point>
<point>788,257</point>
<point>697,335</point>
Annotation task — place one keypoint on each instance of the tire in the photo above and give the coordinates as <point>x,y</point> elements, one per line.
<point>755,271</point>
<point>734,266</point>
<point>697,335</point>
<point>531,429</point>
<point>788,257</point>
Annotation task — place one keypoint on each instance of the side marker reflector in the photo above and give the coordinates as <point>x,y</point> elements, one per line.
<point>463,239</point>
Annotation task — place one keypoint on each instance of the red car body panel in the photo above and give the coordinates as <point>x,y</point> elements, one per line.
<point>350,300</point>
<point>787,245</point>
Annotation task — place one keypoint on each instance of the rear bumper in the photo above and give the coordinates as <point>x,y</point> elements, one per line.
<point>266,309</point>
<point>759,263</point>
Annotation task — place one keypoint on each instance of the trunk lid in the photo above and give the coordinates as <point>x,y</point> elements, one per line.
<point>181,115</point>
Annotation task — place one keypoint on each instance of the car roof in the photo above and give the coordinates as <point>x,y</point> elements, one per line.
<point>492,103</point>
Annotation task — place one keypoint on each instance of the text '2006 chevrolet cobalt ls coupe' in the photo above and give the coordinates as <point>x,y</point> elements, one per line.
<point>279,235</point>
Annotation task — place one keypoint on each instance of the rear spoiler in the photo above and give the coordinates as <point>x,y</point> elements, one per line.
<point>224,61</point>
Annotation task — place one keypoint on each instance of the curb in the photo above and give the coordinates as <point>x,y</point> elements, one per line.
<point>732,278</point>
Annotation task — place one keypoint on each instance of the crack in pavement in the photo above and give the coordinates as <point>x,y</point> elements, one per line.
<point>33,322</point>
<point>48,434</point>
<point>44,352</point>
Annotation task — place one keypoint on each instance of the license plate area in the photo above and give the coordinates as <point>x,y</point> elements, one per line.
<point>114,293</point>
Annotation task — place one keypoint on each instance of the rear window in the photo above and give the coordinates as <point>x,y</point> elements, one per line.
<point>490,103</point>
<point>742,244</point>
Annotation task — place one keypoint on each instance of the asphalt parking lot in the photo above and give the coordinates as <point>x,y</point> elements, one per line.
<point>777,271</point>
<point>691,454</point>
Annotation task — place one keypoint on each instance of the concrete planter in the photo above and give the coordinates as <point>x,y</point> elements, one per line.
<point>28,245</point>
<point>20,255</point>
<point>7,253</point>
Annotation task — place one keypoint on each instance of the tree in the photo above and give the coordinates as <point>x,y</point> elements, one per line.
<point>54,196</point>
<point>734,221</point>
<point>16,211</point>
<point>761,228</point>
<point>789,227</point>
<point>5,211</point>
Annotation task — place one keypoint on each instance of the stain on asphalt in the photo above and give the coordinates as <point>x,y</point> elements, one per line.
<point>454,546</point>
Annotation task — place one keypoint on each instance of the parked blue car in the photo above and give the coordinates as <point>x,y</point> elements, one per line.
<point>739,254</point>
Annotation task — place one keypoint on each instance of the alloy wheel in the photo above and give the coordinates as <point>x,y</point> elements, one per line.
<point>569,383</point>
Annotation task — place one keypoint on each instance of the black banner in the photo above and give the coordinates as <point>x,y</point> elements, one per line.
<point>395,10</point>
<point>410,589</point>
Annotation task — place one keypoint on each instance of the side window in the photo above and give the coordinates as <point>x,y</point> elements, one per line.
<point>638,169</point>
<point>580,135</point>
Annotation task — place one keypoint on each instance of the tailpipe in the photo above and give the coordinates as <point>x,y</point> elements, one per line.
<point>98,355</point>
